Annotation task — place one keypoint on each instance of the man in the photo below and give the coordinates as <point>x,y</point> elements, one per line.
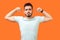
<point>28,25</point>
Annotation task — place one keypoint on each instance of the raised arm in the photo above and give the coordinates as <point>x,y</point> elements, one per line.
<point>47,16</point>
<point>9,15</point>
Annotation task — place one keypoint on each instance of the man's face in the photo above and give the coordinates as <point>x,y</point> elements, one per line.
<point>28,11</point>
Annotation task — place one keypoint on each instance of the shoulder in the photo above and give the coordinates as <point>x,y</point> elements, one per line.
<point>40,18</point>
<point>18,18</point>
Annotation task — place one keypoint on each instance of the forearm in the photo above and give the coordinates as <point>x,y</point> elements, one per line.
<point>46,14</point>
<point>11,13</point>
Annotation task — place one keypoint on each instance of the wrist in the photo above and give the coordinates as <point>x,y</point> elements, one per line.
<point>42,11</point>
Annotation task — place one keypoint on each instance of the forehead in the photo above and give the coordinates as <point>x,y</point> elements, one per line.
<point>28,7</point>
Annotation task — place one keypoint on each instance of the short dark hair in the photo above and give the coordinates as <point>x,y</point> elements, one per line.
<point>28,4</point>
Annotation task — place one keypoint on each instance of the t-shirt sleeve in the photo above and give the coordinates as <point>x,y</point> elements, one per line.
<point>40,18</point>
<point>17,18</point>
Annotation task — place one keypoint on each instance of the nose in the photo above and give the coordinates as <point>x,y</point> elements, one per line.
<point>28,12</point>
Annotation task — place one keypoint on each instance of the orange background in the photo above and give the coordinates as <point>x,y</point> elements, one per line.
<point>47,31</point>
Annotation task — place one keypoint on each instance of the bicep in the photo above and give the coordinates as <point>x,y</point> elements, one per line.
<point>47,19</point>
<point>10,18</point>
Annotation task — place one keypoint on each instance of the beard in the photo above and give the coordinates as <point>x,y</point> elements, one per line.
<point>28,15</point>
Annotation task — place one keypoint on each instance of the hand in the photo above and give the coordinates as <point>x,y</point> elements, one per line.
<point>17,8</point>
<point>39,9</point>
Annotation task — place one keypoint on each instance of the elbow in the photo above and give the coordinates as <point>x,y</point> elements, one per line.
<point>51,18</point>
<point>6,17</point>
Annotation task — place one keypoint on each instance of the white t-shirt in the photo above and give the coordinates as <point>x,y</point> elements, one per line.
<point>29,28</point>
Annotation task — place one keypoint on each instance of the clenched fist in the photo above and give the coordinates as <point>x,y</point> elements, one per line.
<point>17,8</point>
<point>39,9</point>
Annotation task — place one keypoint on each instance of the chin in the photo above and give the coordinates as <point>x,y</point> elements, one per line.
<point>29,16</point>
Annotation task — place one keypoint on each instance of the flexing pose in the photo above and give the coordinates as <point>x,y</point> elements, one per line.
<point>28,25</point>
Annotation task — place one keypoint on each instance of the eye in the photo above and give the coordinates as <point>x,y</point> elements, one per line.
<point>29,9</point>
<point>26,9</point>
